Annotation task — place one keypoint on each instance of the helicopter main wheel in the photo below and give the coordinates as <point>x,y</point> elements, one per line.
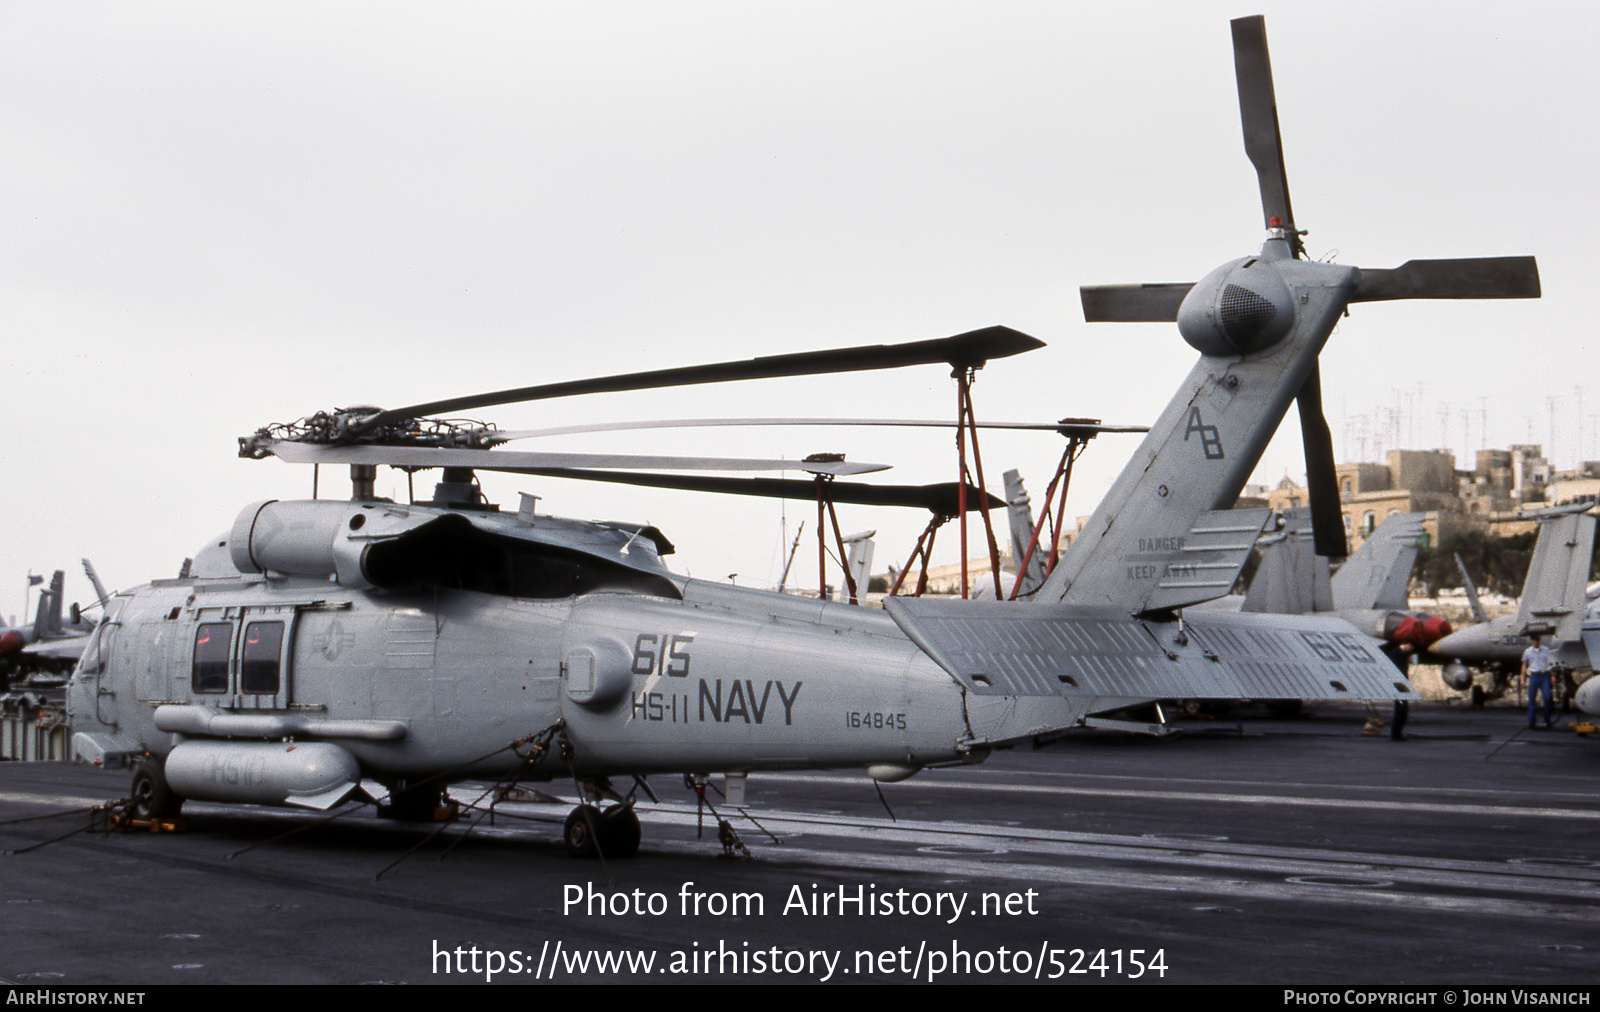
<point>152,796</point>
<point>583,831</point>
<point>1477,697</point>
<point>619,831</point>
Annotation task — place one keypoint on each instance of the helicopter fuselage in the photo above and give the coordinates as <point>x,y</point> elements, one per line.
<point>437,680</point>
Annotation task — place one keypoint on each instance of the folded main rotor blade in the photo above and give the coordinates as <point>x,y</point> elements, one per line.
<point>1069,425</point>
<point>1322,481</point>
<point>968,350</point>
<point>1258,113</point>
<point>1479,278</point>
<point>429,456</point>
<point>1157,303</point>
<point>943,499</point>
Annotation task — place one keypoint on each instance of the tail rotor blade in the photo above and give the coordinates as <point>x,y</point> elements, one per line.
<point>1479,278</point>
<point>1258,112</point>
<point>1322,483</point>
<point>1156,303</point>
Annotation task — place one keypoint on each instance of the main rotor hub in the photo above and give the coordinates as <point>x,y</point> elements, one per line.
<point>343,427</point>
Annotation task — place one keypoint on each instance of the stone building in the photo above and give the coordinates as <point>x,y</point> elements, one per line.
<point>1412,481</point>
<point>1426,481</point>
<point>1578,485</point>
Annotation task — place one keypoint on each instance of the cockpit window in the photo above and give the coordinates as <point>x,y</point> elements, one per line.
<point>260,658</point>
<point>212,644</point>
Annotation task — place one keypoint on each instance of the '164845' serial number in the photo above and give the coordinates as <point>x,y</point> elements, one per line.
<point>889,721</point>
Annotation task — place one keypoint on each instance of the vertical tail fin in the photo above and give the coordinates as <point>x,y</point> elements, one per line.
<point>1019,513</point>
<point>1379,573</point>
<point>859,562</point>
<point>1259,324</point>
<point>1292,578</point>
<point>1553,594</point>
<point>47,621</point>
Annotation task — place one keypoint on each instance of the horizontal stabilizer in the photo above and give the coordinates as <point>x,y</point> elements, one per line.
<point>1480,278</point>
<point>1206,563</point>
<point>1007,649</point>
<point>1156,303</point>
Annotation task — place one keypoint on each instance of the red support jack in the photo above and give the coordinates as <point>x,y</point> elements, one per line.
<point>967,423</point>
<point>925,549</point>
<point>1078,432</point>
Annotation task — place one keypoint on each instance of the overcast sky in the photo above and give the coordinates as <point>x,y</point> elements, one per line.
<point>217,216</point>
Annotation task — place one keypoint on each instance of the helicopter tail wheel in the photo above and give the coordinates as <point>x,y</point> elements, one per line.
<point>583,832</point>
<point>619,831</point>
<point>152,797</point>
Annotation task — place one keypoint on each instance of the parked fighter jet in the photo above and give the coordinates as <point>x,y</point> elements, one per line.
<point>321,649</point>
<point>1552,604</point>
<point>1369,590</point>
<point>1587,698</point>
<point>53,643</point>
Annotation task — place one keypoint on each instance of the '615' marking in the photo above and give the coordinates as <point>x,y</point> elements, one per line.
<point>666,654</point>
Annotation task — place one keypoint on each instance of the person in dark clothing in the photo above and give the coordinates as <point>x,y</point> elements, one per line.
<point>1400,655</point>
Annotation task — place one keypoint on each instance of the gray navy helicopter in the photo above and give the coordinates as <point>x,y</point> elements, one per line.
<point>321,650</point>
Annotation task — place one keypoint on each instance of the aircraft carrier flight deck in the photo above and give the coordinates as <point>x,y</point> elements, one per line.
<point>1245,850</point>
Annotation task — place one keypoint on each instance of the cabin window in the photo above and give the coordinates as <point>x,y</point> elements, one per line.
<point>260,658</point>
<point>212,643</point>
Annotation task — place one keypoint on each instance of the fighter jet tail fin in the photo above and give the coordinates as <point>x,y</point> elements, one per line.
<point>1553,594</point>
<point>1379,573</point>
<point>1292,578</point>
<point>47,620</point>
